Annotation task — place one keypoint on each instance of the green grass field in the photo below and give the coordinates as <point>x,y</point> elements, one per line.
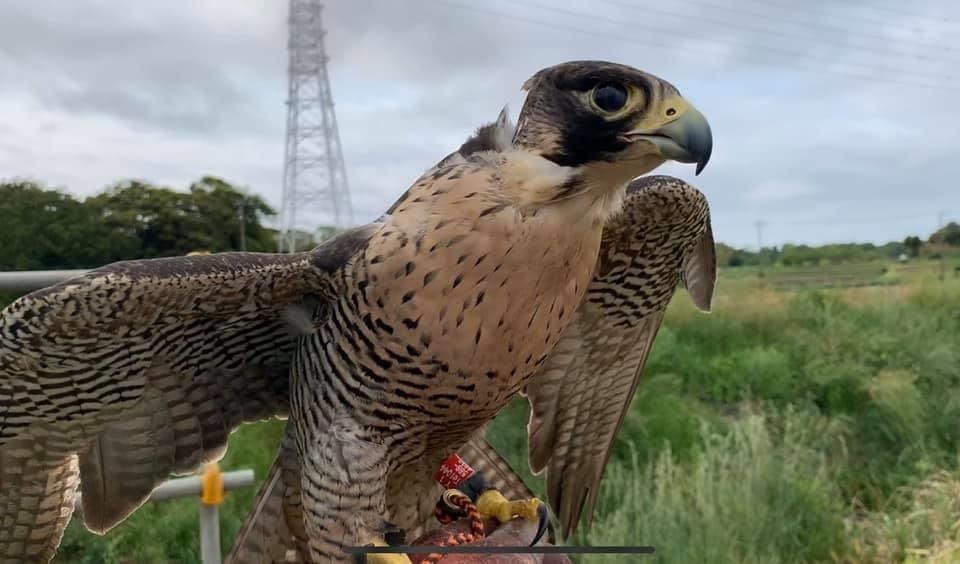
<point>791,425</point>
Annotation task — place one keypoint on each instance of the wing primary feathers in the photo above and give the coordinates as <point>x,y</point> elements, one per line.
<point>581,395</point>
<point>274,526</point>
<point>38,483</point>
<point>264,536</point>
<point>122,465</point>
<point>493,136</point>
<point>700,270</point>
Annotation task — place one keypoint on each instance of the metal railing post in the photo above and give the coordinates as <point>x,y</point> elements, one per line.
<point>210,501</point>
<point>210,534</point>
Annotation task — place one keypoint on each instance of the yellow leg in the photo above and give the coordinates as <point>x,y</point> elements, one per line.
<point>492,504</point>
<point>397,558</point>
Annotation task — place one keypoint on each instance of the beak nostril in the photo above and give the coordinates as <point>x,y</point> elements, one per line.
<point>671,112</point>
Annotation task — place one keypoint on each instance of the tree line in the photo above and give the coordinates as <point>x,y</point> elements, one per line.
<point>944,241</point>
<point>48,228</point>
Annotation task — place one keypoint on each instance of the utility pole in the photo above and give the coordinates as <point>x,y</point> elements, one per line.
<point>943,265</point>
<point>759,224</point>
<point>314,173</point>
<point>242,216</point>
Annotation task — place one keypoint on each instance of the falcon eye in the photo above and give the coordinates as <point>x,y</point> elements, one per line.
<point>610,97</point>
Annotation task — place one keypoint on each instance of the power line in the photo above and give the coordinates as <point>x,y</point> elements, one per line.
<point>780,65</point>
<point>900,13</point>
<point>776,33</point>
<point>861,220</point>
<point>672,32</point>
<point>881,20</point>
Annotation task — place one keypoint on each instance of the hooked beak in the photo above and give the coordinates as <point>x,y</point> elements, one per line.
<point>686,138</point>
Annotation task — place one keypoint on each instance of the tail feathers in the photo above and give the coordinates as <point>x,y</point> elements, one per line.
<point>273,530</point>
<point>484,458</point>
<point>264,536</point>
<point>37,491</point>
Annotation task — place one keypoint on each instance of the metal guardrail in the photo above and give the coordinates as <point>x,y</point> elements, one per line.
<point>193,486</point>
<point>22,281</point>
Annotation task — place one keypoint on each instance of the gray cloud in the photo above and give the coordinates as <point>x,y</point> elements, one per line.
<point>832,120</point>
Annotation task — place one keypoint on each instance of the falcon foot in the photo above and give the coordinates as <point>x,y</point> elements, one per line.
<point>488,502</point>
<point>392,536</point>
<point>382,558</point>
<point>491,503</point>
<point>388,559</point>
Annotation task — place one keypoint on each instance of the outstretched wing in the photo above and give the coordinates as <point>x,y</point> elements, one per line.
<point>138,370</point>
<point>580,396</point>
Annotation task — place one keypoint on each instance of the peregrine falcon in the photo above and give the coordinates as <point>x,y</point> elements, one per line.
<point>663,236</point>
<point>423,325</point>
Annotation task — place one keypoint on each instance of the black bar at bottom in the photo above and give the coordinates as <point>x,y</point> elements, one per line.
<point>467,549</point>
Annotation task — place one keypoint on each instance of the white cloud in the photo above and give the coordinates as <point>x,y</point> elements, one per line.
<point>93,92</point>
<point>779,190</point>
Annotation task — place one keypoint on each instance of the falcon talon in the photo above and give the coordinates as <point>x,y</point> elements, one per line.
<point>543,517</point>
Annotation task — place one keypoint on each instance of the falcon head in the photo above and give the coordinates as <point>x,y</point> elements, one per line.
<point>611,121</point>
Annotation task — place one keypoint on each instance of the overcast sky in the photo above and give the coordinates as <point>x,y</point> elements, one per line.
<point>833,120</point>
